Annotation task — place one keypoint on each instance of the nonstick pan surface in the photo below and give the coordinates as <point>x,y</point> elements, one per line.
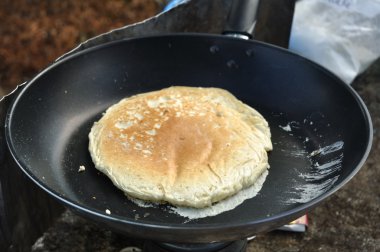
<point>321,130</point>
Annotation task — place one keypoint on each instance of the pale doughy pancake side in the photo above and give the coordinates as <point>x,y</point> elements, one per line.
<point>183,145</point>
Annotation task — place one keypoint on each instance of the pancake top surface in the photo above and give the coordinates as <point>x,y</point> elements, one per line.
<point>186,146</point>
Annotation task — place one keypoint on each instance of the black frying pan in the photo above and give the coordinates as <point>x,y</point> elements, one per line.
<point>321,130</point>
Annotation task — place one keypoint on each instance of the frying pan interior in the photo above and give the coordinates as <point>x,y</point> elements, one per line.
<point>321,130</point>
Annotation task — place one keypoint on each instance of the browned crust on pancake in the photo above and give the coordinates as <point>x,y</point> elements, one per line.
<point>186,146</point>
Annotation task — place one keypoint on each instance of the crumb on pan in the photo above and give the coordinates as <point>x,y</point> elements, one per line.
<point>82,168</point>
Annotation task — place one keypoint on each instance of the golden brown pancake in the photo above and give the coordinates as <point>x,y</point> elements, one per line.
<point>182,145</point>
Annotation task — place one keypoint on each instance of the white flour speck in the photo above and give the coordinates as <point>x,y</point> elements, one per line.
<point>307,192</point>
<point>328,149</point>
<point>321,171</point>
<point>39,244</point>
<point>123,125</point>
<point>286,127</point>
<point>319,179</point>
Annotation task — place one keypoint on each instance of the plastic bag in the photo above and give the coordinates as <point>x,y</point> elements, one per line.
<point>174,3</point>
<point>341,35</point>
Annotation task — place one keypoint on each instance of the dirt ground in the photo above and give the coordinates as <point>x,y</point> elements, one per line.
<point>33,33</point>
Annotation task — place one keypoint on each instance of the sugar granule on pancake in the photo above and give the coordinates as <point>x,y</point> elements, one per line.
<point>182,145</point>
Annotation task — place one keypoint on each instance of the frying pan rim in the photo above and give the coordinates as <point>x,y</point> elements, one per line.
<point>193,226</point>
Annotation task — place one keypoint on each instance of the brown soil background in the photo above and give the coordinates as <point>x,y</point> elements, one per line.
<point>33,33</point>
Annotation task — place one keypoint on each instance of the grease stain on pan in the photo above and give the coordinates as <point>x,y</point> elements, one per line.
<point>321,176</point>
<point>325,162</point>
<point>232,64</point>
<point>321,171</point>
<point>214,49</point>
<point>307,192</point>
<point>328,149</point>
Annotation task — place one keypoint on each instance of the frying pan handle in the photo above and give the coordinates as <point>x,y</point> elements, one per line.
<point>242,18</point>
